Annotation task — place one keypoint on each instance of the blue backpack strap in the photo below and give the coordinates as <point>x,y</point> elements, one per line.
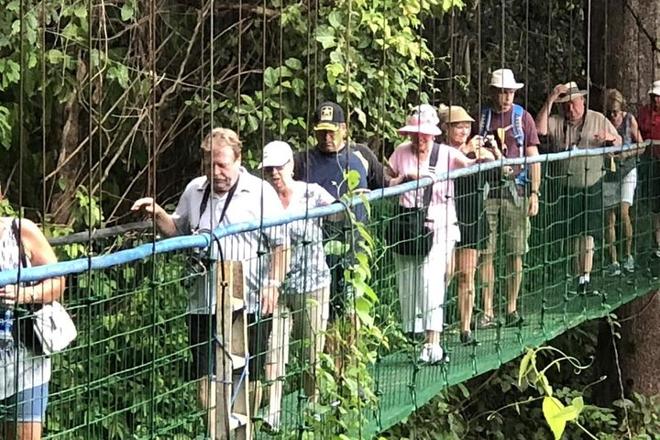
<point>517,123</point>
<point>517,114</point>
<point>484,121</point>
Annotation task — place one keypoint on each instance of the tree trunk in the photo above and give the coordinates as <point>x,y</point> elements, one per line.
<point>625,54</point>
<point>622,38</point>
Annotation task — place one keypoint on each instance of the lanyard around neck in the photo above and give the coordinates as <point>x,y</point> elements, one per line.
<point>205,201</point>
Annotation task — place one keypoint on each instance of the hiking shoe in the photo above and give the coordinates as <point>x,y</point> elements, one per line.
<point>629,264</point>
<point>614,269</point>
<point>513,319</point>
<point>586,289</point>
<point>486,321</point>
<point>431,353</point>
<point>467,338</point>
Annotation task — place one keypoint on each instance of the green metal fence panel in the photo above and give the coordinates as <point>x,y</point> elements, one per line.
<point>128,374</point>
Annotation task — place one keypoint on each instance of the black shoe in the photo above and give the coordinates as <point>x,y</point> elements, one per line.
<point>513,319</point>
<point>467,338</point>
<point>586,289</point>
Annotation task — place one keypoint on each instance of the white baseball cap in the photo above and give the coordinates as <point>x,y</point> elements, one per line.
<point>276,154</point>
<point>504,79</point>
<point>655,88</point>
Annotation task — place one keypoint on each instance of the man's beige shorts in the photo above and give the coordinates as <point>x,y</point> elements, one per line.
<point>515,226</point>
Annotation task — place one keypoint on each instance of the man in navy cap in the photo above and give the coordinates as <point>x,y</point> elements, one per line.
<point>333,155</point>
<point>327,165</point>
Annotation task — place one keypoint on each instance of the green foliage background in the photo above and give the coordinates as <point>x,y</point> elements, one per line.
<point>116,97</point>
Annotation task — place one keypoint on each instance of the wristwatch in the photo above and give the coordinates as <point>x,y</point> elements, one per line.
<point>538,193</point>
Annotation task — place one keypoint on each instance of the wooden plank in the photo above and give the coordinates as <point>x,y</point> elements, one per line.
<point>228,291</point>
<point>240,351</point>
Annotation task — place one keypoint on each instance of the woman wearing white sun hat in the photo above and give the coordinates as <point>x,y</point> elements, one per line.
<point>421,278</point>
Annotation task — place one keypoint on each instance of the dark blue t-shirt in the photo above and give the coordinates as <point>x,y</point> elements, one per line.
<point>327,169</point>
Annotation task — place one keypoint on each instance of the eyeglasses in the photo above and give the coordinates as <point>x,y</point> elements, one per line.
<point>278,168</point>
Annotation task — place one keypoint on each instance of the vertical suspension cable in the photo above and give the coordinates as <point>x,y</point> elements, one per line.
<point>212,261</point>
<point>239,62</point>
<point>42,32</point>
<point>90,92</point>
<point>153,152</point>
<point>21,146</point>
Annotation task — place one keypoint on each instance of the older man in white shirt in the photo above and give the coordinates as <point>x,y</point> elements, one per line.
<point>227,195</point>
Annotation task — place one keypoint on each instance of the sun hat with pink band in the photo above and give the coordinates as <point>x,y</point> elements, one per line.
<point>423,120</point>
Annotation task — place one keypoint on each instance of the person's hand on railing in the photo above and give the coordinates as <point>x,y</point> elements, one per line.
<point>403,178</point>
<point>148,206</point>
<point>164,222</point>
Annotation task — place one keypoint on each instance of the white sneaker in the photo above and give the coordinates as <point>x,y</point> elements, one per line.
<point>431,353</point>
<point>657,252</point>
<point>629,264</point>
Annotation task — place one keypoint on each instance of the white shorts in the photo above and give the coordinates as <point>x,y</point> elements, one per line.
<point>628,186</point>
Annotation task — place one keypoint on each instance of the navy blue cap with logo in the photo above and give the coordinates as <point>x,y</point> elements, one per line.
<point>328,116</point>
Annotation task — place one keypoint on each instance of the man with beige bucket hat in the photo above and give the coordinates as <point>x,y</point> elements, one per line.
<point>576,127</point>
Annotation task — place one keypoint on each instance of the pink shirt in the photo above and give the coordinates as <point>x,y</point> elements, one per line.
<point>442,209</point>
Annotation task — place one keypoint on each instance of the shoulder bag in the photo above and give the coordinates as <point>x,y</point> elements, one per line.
<point>49,328</point>
<point>407,232</point>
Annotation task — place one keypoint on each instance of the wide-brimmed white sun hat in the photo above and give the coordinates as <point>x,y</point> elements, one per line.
<point>504,79</point>
<point>572,93</point>
<point>423,120</point>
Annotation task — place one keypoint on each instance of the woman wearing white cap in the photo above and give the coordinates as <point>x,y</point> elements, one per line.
<point>470,194</point>
<point>421,278</point>
<point>306,287</point>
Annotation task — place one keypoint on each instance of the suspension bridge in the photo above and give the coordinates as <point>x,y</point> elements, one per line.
<point>126,374</point>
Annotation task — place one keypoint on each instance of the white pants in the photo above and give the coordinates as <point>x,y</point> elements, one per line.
<point>421,284</point>
<point>628,186</point>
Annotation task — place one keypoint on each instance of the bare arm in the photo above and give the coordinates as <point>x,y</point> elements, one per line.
<point>280,264</point>
<point>279,267</point>
<point>637,137</point>
<point>163,220</point>
<point>534,168</point>
<point>544,113</point>
<point>39,251</point>
<point>535,177</point>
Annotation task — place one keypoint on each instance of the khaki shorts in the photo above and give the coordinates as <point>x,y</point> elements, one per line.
<point>515,226</point>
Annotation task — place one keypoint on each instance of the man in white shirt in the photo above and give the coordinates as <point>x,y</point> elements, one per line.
<point>227,195</point>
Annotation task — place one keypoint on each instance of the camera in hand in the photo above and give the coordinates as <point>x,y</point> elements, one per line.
<point>492,141</point>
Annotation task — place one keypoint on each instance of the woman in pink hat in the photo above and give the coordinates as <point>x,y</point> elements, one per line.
<point>421,278</point>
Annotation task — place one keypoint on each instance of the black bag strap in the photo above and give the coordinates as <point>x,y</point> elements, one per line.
<point>205,201</point>
<point>433,162</point>
<point>21,251</point>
